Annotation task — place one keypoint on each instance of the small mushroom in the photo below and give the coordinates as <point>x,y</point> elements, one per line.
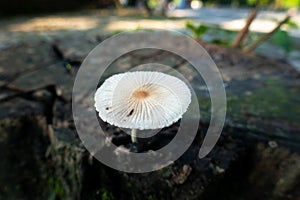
<point>142,100</point>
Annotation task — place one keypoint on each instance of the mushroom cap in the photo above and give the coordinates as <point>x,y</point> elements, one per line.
<point>142,100</point>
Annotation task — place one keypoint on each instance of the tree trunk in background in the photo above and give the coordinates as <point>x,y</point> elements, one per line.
<point>118,4</point>
<point>244,32</point>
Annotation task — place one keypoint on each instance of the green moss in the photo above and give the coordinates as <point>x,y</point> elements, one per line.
<point>272,101</point>
<point>129,185</point>
<point>54,189</point>
<point>151,197</point>
<point>106,195</point>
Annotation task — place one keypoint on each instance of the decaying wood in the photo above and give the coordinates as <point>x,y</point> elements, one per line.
<point>29,93</point>
<point>6,83</point>
<point>242,162</point>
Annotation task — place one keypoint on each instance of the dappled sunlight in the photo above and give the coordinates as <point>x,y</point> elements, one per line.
<point>54,24</point>
<point>92,23</point>
<point>258,25</point>
<point>147,24</point>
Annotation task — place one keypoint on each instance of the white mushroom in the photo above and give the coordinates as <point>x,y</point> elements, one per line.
<point>142,100</point>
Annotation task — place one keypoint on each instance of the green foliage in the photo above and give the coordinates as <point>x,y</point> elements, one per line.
<point>264,3</point>
<point>276,3</point>
<point>283,40</point>
<point>220,42</point>
<point>153,3</point>
<point>222,37</point>
<point>197,30</point>
<point>176,2</point>
<point>215,35</point>
<point>289,3</point>
<point>260,2</point>
<point>225,37</point>
<point>292,24</point>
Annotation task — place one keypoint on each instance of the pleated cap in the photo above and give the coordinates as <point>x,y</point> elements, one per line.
<point>142,100</point>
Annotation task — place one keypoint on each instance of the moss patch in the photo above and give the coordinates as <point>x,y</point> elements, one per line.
<point>272,101</point>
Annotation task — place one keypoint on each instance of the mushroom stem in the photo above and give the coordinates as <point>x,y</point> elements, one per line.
<point>133,135</point>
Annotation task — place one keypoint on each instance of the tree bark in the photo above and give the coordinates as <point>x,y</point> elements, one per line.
<point>266,36</point>
<point>244,32</point>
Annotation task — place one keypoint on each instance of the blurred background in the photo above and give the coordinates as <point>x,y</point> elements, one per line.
<point>255,44</point>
